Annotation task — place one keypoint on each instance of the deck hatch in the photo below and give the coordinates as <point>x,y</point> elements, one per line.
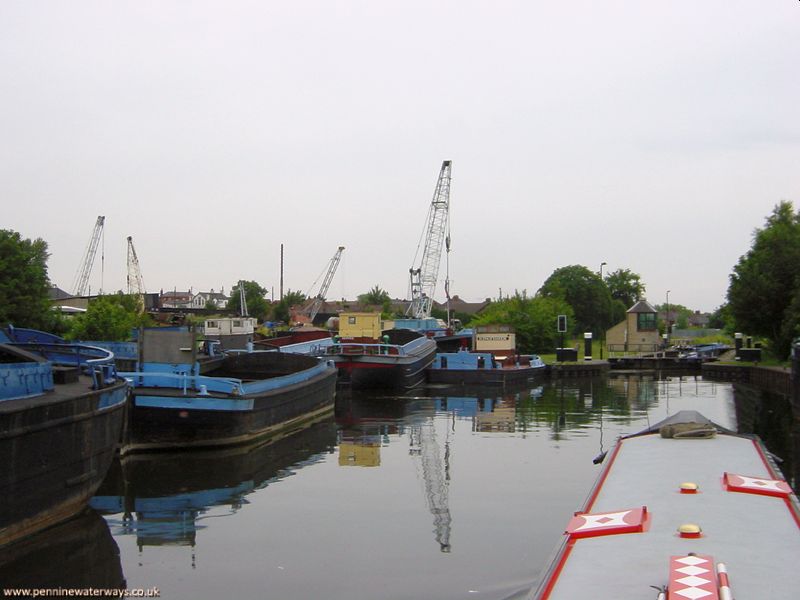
<point>692,577</point>
<point>632,520</point>
<point>756,485</point>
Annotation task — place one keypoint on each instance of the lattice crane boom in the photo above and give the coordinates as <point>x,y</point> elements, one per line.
<point>135,280</point>
<point>423,277</point>
<point>81,281</point>
<point>316,303</point>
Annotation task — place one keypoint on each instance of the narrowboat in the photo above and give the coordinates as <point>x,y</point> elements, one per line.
<point>62,409</point>
<point>482,368</point>
<point>182,398</point>
<point>368,356</point>
<point>684,510</point>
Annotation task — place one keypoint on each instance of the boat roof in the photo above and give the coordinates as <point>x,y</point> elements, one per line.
<point>756,536</point>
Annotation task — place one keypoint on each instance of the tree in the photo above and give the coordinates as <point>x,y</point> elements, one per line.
<point>376,297</point>
<point>254,296</point>
<point>281,311</point>
<point>24,285</point>
<point>625,286</point>
<point>109,318</point>
<point>534,319</point>
<point>765,283</point>
<point>585,292</point>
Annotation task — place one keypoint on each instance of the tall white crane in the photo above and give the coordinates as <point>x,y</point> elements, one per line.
<point>437,233</point>
<point>135,280</point>
<point>312,308</point>
<point>81,281</point>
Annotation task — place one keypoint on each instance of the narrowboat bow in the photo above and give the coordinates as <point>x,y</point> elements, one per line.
<point>685,510</point>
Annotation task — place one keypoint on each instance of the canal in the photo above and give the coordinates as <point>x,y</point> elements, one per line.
<point>443,493</point>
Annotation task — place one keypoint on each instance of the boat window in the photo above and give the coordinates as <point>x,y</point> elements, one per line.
<point>351,320</point>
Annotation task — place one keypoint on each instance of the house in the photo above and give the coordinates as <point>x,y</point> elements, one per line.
<point>176,299</point>
<point>637,333</point>
<point>201,299</point>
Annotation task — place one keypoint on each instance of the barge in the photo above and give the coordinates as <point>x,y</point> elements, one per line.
<point>62,409</point>
<point>685,510</point>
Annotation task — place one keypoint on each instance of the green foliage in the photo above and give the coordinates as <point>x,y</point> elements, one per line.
<point>534,320</point>
<point>24,285</point>
<point>108,318</point>
<point>376,297</point>
<point>764,290</point>
<point>281,311</point>
<point>294,298</point>
<point>625,286</point>
<point>255,297</point>
<point>586,293</point>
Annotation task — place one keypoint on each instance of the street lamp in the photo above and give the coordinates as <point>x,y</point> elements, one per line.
<point>666,316</point>
<point>602,330</point>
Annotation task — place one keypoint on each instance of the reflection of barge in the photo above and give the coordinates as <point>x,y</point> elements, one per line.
<point>232,399</point>
<point>162,498</point>
<point>671,504</point>
<point>79,553</point>
<point>61,417</point>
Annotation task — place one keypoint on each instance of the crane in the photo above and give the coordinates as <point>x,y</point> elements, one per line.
<point>135,281</point>
<point>312,308</point>
<point>437,233</point>
<point>81,281</point>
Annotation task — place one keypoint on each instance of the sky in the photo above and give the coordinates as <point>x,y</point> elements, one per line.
<point>650,136</point>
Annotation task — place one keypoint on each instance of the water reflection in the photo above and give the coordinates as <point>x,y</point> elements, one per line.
<point>79,553</point>
<point>164,498</point>
<point>446,493</point>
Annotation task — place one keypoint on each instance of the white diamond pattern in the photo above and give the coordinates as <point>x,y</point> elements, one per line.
<point>692,560</point>
<point>603,520</point>
<point>693,593</point>
<point>692,570</point>
<point>692,581</point>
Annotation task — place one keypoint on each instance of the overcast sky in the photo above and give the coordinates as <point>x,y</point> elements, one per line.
<point>654,136</point>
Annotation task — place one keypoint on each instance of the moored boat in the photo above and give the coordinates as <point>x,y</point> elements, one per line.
<point>398,361</point>
<point>688,508</point>
<point>179,401</point>
<point>369,356</point>
<point>467,368</point>
<point>62,409</point>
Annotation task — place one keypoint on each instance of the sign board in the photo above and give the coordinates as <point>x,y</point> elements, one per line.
<point>562,323</point>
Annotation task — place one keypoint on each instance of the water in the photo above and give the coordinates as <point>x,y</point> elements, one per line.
<point>447,493</point>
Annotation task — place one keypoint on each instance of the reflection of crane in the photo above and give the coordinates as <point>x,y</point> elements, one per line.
<point>423,278</point>
<point>85,268</point>
<point>135,281</point>
<point>436,478</point>
<point>312,308</point>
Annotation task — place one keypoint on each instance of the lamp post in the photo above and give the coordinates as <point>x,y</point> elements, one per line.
<point>602,330</point>
<point>666,317</point>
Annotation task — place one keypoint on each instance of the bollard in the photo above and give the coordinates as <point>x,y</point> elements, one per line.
<point>737,343</point>
<point>587,346</point>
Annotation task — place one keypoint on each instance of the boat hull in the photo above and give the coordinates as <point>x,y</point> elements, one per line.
<point>499,376</point>
<point>169,418</point>
<point>55,451</point>
<point>387,371</point>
